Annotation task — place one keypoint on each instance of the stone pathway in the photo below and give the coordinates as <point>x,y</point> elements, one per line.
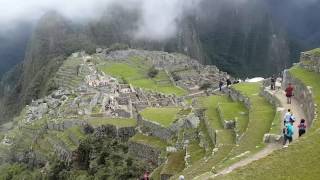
<point>298,113</point>
<point>295,109</point>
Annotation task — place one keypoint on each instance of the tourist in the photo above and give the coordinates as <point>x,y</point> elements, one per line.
<point>302,127</point>
<point>289,93</point>
<point>273,83</point>
<point>229,82</point>
<point>181,177</point>
<point>220,85</point>
<point>287,117</point>
<point>146,176</point>
<point>288,133</point>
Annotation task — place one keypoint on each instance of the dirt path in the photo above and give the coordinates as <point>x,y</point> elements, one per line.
<point>298,113</point>
<point>295,109</point>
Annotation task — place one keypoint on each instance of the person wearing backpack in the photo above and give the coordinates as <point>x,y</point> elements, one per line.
<point>288,133</point>
<point>302,127</point>
<point>287,117</point>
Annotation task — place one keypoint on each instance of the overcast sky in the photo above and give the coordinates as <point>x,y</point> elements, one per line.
<point>158,21</point>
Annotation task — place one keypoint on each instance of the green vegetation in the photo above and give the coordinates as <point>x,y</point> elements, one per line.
<point>149,140</point>
<point>227,137</point>
<point>309,78</point>
<point>276,124</point>
<point>136,72</point>
<point>235,111</point>
<point>196,152</point>
<point>261,116</point>
<point>96,122</point>
<point>175,163</point>
<point>315,52</point>
<point>163,116</point>
<point>306,150</point>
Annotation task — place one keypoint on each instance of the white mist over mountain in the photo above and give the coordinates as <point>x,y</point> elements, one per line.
<point>158,21</point>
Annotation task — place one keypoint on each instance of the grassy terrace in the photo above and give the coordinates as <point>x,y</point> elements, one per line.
<point>225,137</point>
<point>135,72</point>
<point>96,122</point>
<point>261,116</point>
<point>175,163</point>
<point>149,140</point>
<point>302,156</point>
<point>196,151</point>
<point>163,116</point>
<point>276,124</point>
<point>235,111</point>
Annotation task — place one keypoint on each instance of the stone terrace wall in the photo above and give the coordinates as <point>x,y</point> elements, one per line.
<point>145,152</point>
<point>310,61</point>
<point>237,96</point>
<point>155,129</point>
<point>111,131</point>
<point>303,94</point>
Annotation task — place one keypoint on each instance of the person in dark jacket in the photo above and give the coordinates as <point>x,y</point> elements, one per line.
<point>302,127</point>
<point>220,85</point>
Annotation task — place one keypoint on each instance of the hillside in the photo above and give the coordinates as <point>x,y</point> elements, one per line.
<point>96,104</point>
<point>115,109</point>
<point>244,39</point>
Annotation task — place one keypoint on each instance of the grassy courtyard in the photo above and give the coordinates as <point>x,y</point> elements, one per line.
<point>135,72</point>
<point>163,116</point>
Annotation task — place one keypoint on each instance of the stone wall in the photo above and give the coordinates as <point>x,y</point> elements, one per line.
<point>111,131</point>
<point>237,96</point>
<point>303,94</point>
<point>155,129</point>
<point>61,126</point>
<point>270,97</point>
<point>145,152</point>
<point>310,61</point>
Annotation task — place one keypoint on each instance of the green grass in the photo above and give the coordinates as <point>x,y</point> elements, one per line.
<point>276,124</point>
<point>226,137</point>
<point>163,116</point>
<point>114,121</point>
<point>196,151</point>
<point>135,73</point>
<point>309,78</point>
<point>149,140</point>
<point>235,111</point>
<point>315,52</point>
<point>64,136</point>
<point>302,156</point>
<point>261,116</point>
<point>155,175</point>
<point>175,163</point>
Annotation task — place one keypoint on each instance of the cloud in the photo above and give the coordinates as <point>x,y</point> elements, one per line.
<point>158,20</point>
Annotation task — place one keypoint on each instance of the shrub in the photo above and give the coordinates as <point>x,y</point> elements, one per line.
<point>153,72</point>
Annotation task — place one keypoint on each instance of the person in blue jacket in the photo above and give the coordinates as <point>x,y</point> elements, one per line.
<point>288,132</point>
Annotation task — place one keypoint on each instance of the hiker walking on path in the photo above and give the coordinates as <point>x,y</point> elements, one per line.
<point>273,83</point>
<point>220,85</point>
<point>302,127</point>
<point>289,93</point>
<point>287,117</point>
<point>288,133</point>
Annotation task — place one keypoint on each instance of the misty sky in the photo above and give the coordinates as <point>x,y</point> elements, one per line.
<point>158,20</point>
